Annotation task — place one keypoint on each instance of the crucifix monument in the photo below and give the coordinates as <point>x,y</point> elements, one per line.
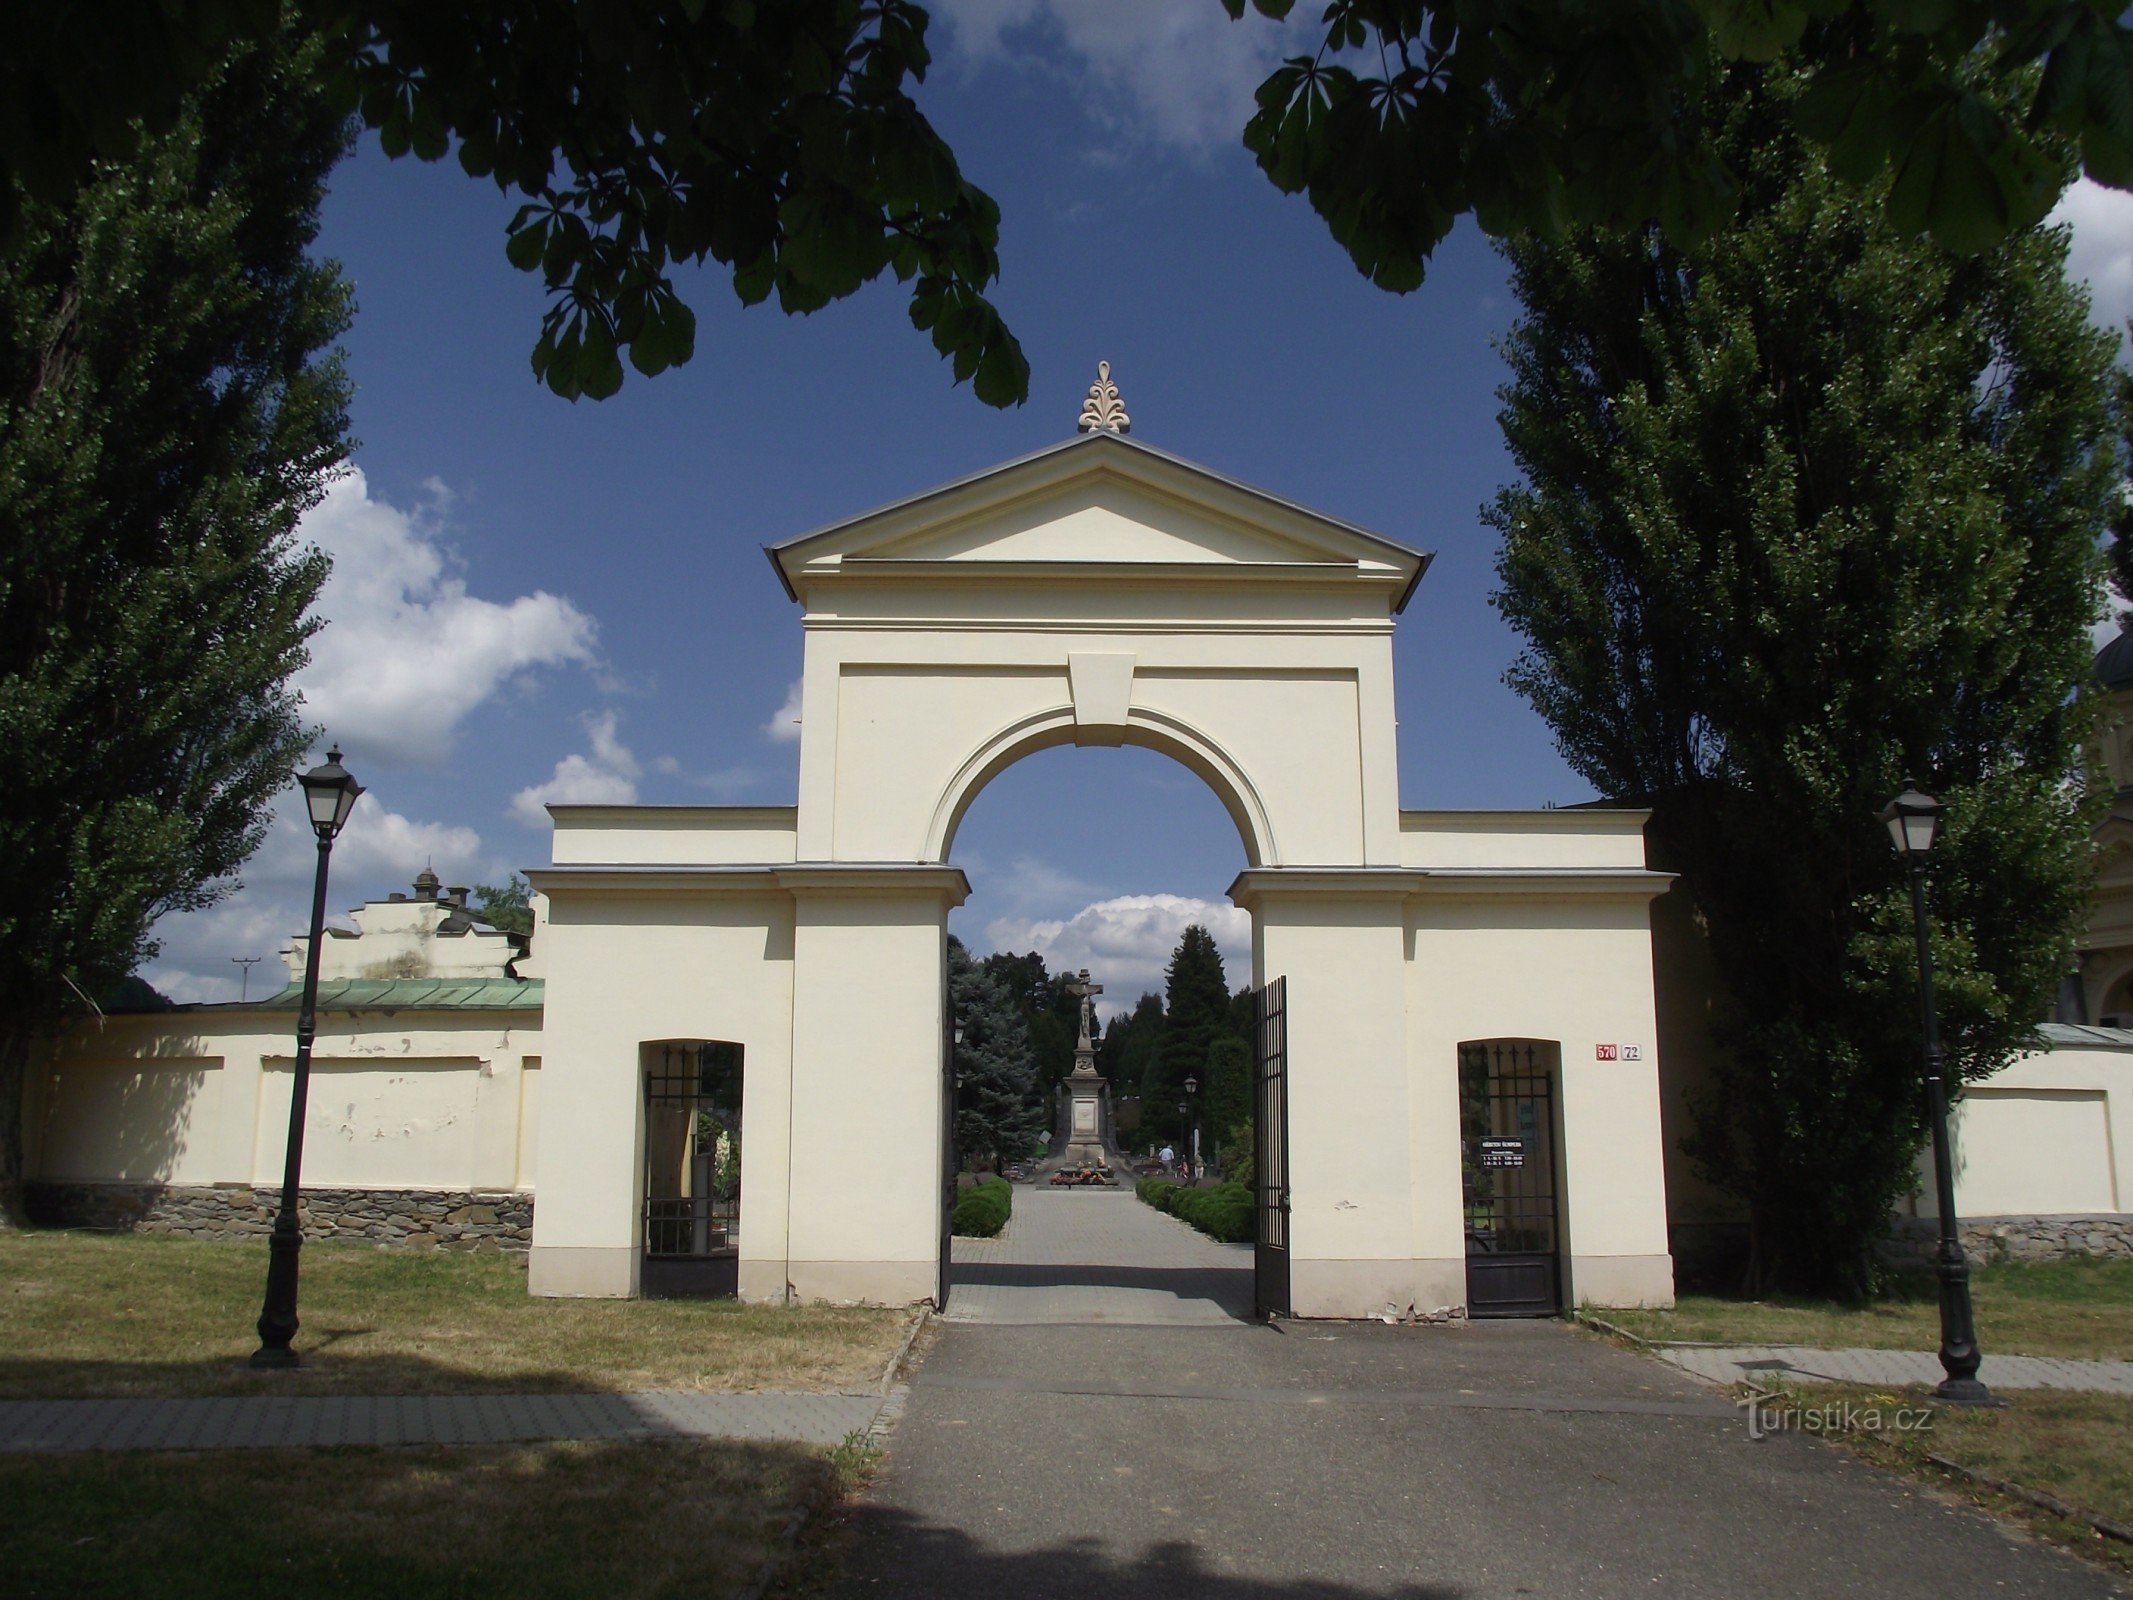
<point>1084,1085</point>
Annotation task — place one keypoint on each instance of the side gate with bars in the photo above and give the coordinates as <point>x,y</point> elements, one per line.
<point>1270,1079</point>
<point>1508,1178</point>
<point>692,1170</point>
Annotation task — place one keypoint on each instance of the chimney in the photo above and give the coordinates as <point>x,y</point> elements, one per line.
<point>456,895</point>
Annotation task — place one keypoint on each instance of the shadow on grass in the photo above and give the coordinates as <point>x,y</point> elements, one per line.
<point>530,1521</point>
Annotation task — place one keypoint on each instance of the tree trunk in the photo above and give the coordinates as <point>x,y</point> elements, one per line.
<point>14,1084</point>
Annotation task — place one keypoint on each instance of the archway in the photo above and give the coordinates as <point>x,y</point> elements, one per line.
<point>1058,888</point>
<point>1100,593</point>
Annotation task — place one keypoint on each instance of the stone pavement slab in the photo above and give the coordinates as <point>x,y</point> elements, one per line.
<point>1892,1369</point>
<point>1098,1256</point>
<point>275,1421</point>
<point>1349,1460</point>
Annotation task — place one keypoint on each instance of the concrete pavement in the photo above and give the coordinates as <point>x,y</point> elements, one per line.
<point>1341,1461</point>
<point>1890,1369</point>
<point>274,1421</point>
<point>1096,1257</point>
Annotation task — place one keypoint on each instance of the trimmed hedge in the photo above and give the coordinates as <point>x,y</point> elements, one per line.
<point>1223,1211</point>
<point>981,1212</point>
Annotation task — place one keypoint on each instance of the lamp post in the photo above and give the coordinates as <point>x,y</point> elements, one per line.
<point>330,793</point>
<point>1190,1106</point>
<point>1913,820</point>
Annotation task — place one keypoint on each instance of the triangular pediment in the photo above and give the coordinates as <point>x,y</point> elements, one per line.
<point>1099,501</point>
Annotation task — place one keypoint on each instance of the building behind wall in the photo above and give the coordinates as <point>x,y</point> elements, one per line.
<point>421,1116</point>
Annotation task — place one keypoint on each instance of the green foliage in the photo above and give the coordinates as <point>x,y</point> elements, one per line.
<point>779,140</point>
<point>508,906</point>
<point>1222,1211</point>
<point>1810,507</point>
<point>1228,1093</point>
<point>169,407</point>
<point>1240,1156</point>
<point>982,1210</point>
<point>999,1106</point>
<point>1131,1049</point>
<point>1537,115</point>
<point>1052,1015</point>
<point>1196,1014</point>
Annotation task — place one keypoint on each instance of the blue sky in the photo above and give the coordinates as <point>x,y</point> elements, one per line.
<point>535,600</point>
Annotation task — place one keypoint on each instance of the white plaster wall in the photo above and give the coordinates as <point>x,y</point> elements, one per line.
<point>1574,969</point>
<point>411,1100</point>
<point>131,1121</point>
<point>1511,839</point>
<point>672,835</point>
<point>628,968</point>
<point>2050,1134</point>
<point>867,1081</point>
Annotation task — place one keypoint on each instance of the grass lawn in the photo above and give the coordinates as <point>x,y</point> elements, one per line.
<point>86,1314</point>
<point>2075,1447</point>
<point>2078,1309</point>
<point>626,1521</point>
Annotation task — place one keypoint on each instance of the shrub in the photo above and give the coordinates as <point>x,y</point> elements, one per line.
<point>981,1212</point>
<point>1221,1211</point>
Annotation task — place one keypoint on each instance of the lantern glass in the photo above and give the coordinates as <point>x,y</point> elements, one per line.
<point>1913,821</point>
<point>330,793</point>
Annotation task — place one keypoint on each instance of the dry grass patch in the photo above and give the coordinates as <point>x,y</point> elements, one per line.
<point>2075,1310</point>
<point>97,1314</point>
<point>2077,1448</point>
<point>636,1521</point>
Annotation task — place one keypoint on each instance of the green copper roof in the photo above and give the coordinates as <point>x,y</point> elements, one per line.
<point>405,994</point>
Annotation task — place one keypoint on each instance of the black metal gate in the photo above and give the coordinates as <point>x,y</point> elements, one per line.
<point>1270,1253</point>
<point>692,1171</point>
<point>950,1165</point>
<point>1507,1138</point>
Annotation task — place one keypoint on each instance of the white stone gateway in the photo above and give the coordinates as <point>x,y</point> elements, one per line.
<point>1103,592</point>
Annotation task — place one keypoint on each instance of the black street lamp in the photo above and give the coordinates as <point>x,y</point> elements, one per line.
<point>1913,820</point>
<point>1190,1106</point>
<point>330,793</point>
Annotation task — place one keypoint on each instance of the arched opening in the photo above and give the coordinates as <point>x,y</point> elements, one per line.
<point>1167,736</point>
<point>692,1168</point>
<point>1114,862</point>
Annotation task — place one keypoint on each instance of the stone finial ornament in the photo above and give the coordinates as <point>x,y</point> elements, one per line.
<point>1103,412</point>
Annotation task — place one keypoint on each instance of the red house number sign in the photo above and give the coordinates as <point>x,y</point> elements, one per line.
<point>1603,1052</point>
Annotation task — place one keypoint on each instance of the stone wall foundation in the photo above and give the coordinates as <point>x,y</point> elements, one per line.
<point>393,1219</point>
<point>1987,1240</point>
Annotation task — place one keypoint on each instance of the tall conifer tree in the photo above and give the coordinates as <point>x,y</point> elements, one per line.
<point>169,407</point>
<point>999,1107</point>
<point>1809,508</point>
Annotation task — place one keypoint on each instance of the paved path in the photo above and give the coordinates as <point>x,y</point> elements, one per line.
<point>1889,1368</point>
<point>256,1421</point>
<point>1313,1461</point>
<point>1098,1256</point>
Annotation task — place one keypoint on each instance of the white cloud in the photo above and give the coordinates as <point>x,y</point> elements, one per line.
<point>377,851</point>
<point>607,775</point>
<point>407,653</point>
<point>1126,941</point>
<point>784,724</point>
<point>1179,74</point>
<point>2102,251</point>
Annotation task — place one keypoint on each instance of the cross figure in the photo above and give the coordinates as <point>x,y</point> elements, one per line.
<point>1082,986</point>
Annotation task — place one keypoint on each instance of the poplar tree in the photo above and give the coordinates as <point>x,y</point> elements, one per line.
<point>169,407</point>
<point>1808,508</point>
<point>1196,1009</point>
